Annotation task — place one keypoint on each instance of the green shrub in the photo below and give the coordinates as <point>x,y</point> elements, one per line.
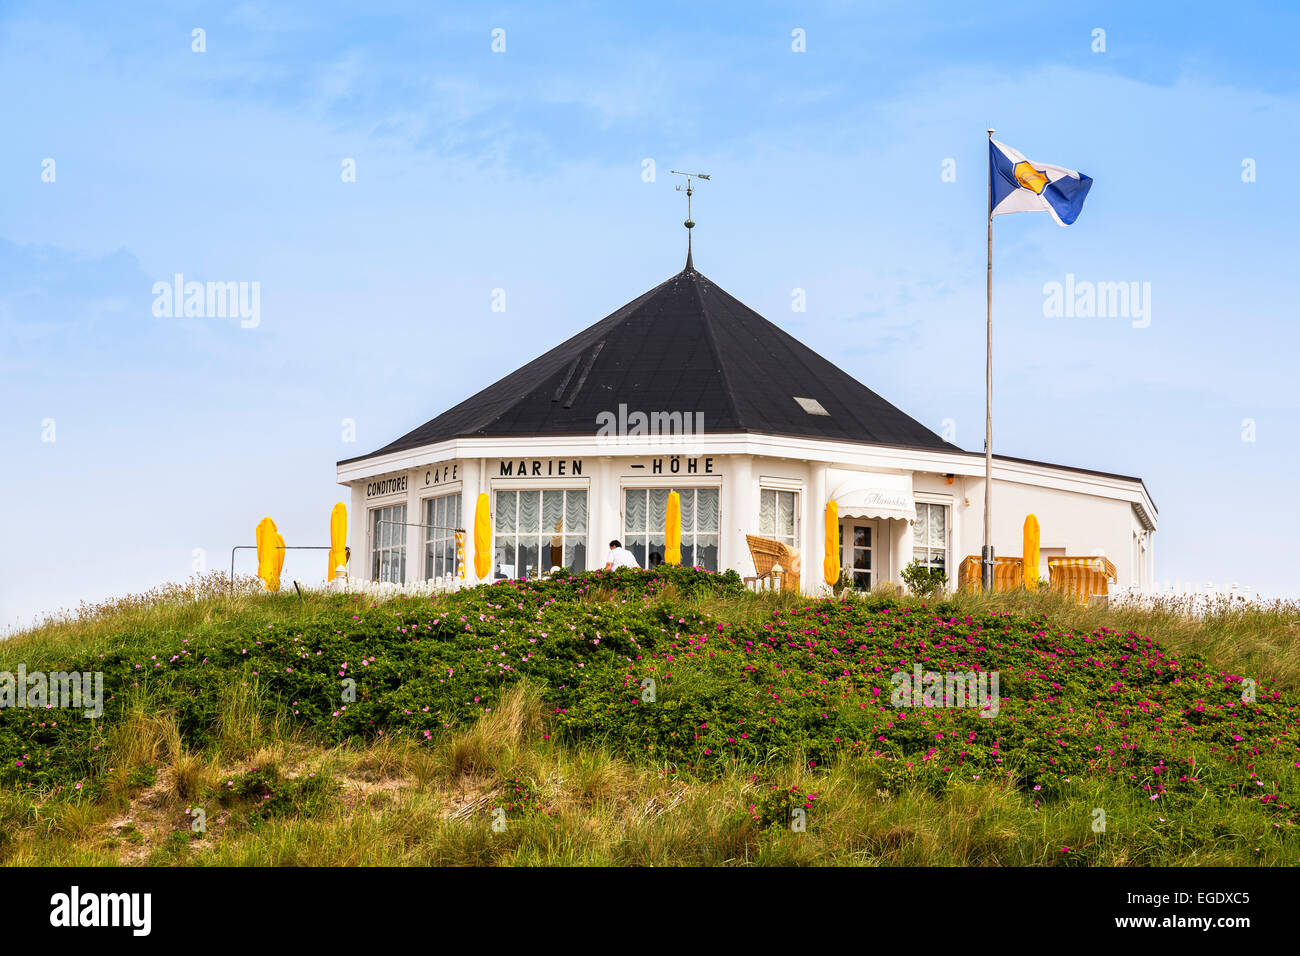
<point>777,803</point>
<point>637,663</point>
<point>267,794</point>
<point>922,580</point>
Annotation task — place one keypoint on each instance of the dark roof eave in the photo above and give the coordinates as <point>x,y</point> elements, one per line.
<point>951,449</point>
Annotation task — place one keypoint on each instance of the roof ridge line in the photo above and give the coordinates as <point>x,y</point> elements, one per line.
<point>717,353</point>
<point>596,337</point>
<point>802,352</point>
<point>674,346</point>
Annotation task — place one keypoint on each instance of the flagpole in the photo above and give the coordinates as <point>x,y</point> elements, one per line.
<point>986,555</point>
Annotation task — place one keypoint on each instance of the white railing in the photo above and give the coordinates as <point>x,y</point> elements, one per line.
<point>388,589</point>
<point>1187,597</point>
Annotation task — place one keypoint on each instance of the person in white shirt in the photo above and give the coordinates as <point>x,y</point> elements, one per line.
<point>620,557</point>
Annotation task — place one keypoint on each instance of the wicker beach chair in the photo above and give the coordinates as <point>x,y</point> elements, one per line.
<point>1081,577</point>
<point>768,553</point>
<point>1008,573</point>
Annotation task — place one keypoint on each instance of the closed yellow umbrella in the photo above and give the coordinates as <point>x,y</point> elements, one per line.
<point>1030,559</point>
<point>265,538</point>
<point>482,537</point>
<point>673,530</point>
<point>831,566</point>
<point>279,561</point>
<point>338,554</point>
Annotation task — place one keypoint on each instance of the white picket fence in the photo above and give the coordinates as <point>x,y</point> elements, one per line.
<point>387,589</point>
<point>1187,596</point>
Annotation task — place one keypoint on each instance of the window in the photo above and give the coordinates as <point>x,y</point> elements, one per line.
<point>860,559</point>
<point>537,530</point>
<point>441,519</point>
<point>388,544</point>
<point>811,406</point>
<point>645,511</point>
<point>930,536</point>
<point>778,516</point>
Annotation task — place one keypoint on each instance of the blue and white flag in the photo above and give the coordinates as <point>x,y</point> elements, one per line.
<point>1017,185</point>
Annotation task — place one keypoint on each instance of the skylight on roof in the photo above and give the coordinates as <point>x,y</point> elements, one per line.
<point>811,406</point>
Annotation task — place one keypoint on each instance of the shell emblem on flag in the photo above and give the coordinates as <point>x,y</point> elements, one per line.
<point>1018,185</point>
<point>1030,178</point>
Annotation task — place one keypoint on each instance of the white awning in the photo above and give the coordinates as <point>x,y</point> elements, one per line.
<point>867,495</point>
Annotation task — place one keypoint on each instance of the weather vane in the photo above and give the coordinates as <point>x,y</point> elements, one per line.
<point>690,191</point>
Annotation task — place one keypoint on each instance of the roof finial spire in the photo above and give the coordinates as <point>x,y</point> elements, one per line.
<point>689,223</point>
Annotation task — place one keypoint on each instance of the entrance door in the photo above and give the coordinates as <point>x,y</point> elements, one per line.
<point>861,546</point>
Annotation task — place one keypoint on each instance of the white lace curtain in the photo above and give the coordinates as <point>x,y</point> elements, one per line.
<point>645,510</point>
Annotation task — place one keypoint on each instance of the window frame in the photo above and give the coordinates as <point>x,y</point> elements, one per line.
<point>945,552</point>
<point>791,541</point>
<point>872,527</point>
<point>577,538</point>
<point>379,549</point>
<point>432,537</point>
<point>690,534</point>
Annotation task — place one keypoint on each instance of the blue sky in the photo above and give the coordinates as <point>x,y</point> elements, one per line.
<point>522,170</point>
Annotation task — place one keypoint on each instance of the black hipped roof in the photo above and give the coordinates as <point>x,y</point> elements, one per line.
<point>684,346</point>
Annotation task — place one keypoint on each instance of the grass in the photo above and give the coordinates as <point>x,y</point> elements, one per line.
<point>221,704</point>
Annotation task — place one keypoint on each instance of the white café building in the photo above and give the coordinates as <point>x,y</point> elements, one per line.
<point>687,389</point>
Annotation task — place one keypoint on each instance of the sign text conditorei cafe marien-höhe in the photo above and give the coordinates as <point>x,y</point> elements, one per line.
<point>385,486</point>
<point>540,468</point>
<point>572,467</point>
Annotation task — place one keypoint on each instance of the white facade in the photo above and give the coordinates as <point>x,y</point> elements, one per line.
<point>893,501</point>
